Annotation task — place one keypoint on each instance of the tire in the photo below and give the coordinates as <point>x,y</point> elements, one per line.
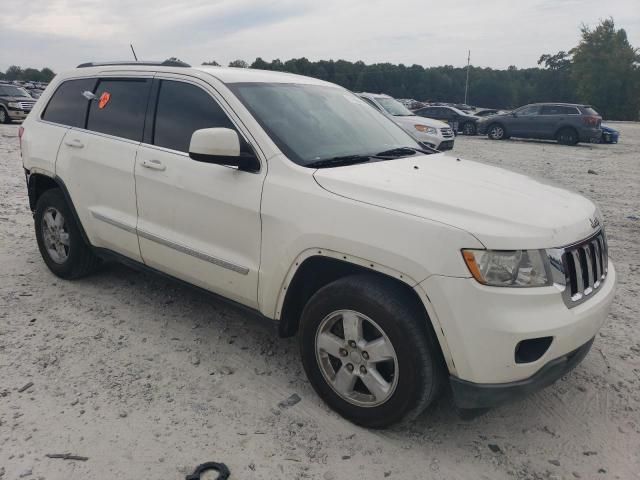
<point>496,131</point>
<point>567,136</point>
<point>391,317</point>
<point>59,239</point>
<point>469,128</point>
<point>4,116</point>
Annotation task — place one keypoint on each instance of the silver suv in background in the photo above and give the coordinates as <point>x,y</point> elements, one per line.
<point>429,132</point>
<point>565,122</point>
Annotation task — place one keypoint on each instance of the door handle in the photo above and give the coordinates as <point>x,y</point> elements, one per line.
<point>75,143</point>
<point>154,165</point>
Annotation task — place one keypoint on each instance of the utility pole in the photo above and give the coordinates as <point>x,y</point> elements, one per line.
<point>466,87</point>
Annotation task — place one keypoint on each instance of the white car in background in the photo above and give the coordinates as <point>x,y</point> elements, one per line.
<point>429,132</point>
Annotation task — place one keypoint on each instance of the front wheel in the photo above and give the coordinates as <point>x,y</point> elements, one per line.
<point>4,116</point>
<point>368,352</point>
<point>496,132</point>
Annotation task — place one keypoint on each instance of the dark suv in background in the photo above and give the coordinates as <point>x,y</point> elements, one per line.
<point>15,103</point>
<point>458,120</point>
<point>567,123</point>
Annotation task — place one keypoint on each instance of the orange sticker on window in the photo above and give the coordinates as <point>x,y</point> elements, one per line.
<point>104,99</point>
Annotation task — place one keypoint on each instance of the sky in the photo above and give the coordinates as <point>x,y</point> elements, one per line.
<point>63,33</point>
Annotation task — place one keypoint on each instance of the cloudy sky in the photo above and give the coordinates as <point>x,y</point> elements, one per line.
<point>62,33</point>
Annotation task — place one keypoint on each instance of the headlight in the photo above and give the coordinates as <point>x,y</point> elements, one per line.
<point>509,268</point>
<point>425,129</point>
<point>13,104</point>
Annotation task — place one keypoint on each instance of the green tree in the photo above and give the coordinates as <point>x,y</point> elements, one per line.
<point>46,75</point>
<point>212,63</point>
<point>239,64</point>
<point>14,73</point>
<point>605,70</point>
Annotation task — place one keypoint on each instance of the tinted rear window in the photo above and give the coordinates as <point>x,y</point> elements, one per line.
<point>559,110</point>
<point>182,109</point>
<point>119,108</point>
<point>67,105</point>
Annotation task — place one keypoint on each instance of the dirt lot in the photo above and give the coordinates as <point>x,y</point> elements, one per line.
<point>148,378</point>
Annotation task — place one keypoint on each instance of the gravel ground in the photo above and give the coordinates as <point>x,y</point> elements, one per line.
<point>148,378</point>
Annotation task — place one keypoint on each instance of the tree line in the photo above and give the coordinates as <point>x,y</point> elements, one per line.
<point>603,70</point>
<point>15,72</point>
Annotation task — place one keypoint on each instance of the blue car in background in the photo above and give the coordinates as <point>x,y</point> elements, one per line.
<point>609,135</point>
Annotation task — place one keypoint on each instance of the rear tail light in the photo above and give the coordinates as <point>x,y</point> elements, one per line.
<point>591,120</point>
<point>20,133</point>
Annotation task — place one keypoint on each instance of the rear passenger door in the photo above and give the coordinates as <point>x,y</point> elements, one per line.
<point>197,221</point>
<point>96,161</point>
<point>553,117</point>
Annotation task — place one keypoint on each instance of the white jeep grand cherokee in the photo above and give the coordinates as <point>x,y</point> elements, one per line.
<point>402,271</point>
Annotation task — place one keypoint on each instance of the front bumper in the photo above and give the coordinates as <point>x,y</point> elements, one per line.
<point>485,395</point>
<point>481,326</point>
<point>18,114</point>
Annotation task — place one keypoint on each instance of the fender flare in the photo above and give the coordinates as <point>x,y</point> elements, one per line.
<point>65,192</point>
<point>432,317</point>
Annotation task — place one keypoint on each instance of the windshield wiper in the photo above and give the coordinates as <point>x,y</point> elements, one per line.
<point>403,152</point>
<point>340,161</point>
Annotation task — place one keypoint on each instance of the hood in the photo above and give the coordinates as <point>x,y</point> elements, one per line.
<point>502,209</point>
<point>412,120</point>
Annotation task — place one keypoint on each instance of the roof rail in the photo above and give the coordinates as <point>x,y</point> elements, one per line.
<point>165,63</point>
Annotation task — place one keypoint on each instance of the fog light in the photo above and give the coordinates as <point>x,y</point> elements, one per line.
<point>528,351</point>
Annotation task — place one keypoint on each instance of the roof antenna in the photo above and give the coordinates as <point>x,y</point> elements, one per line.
<point>133,51</point>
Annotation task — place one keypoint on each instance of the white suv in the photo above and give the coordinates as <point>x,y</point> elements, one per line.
<point>427,131</point>
<point>400,270</point>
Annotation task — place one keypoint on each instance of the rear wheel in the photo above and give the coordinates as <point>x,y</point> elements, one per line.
<point>567,136</point>
<point>59,239</point>
<point>469,128</point>
<point>496,132</point>
<point>368,352</point>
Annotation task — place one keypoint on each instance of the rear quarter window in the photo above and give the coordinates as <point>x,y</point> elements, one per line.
<point>67,105</point>
<point>119,108</point>
<point>589,111</point>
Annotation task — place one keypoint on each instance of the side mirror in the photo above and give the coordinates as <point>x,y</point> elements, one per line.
<point>222,146</point>
<point>514,114</point>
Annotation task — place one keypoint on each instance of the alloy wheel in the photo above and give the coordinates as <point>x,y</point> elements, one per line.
<point>356,358</point>
<point>497,132</point>
<point>55,235</point>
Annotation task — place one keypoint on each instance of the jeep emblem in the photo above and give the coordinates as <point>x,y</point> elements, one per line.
<point>595,223</point>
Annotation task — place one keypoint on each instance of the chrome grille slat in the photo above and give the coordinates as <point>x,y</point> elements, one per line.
<point>585,268</point>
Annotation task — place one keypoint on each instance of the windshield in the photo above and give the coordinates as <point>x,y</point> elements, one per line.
<point>11,91</point>
<point>394,107</point>
<point>315,122</point>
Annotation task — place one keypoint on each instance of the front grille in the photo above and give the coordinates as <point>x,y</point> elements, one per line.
<point>26,105</point>
<point>585,267</point>
<point>446,132</point>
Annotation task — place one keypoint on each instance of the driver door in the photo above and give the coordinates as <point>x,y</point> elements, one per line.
<point>197,221</point>
<point>523,123</point>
